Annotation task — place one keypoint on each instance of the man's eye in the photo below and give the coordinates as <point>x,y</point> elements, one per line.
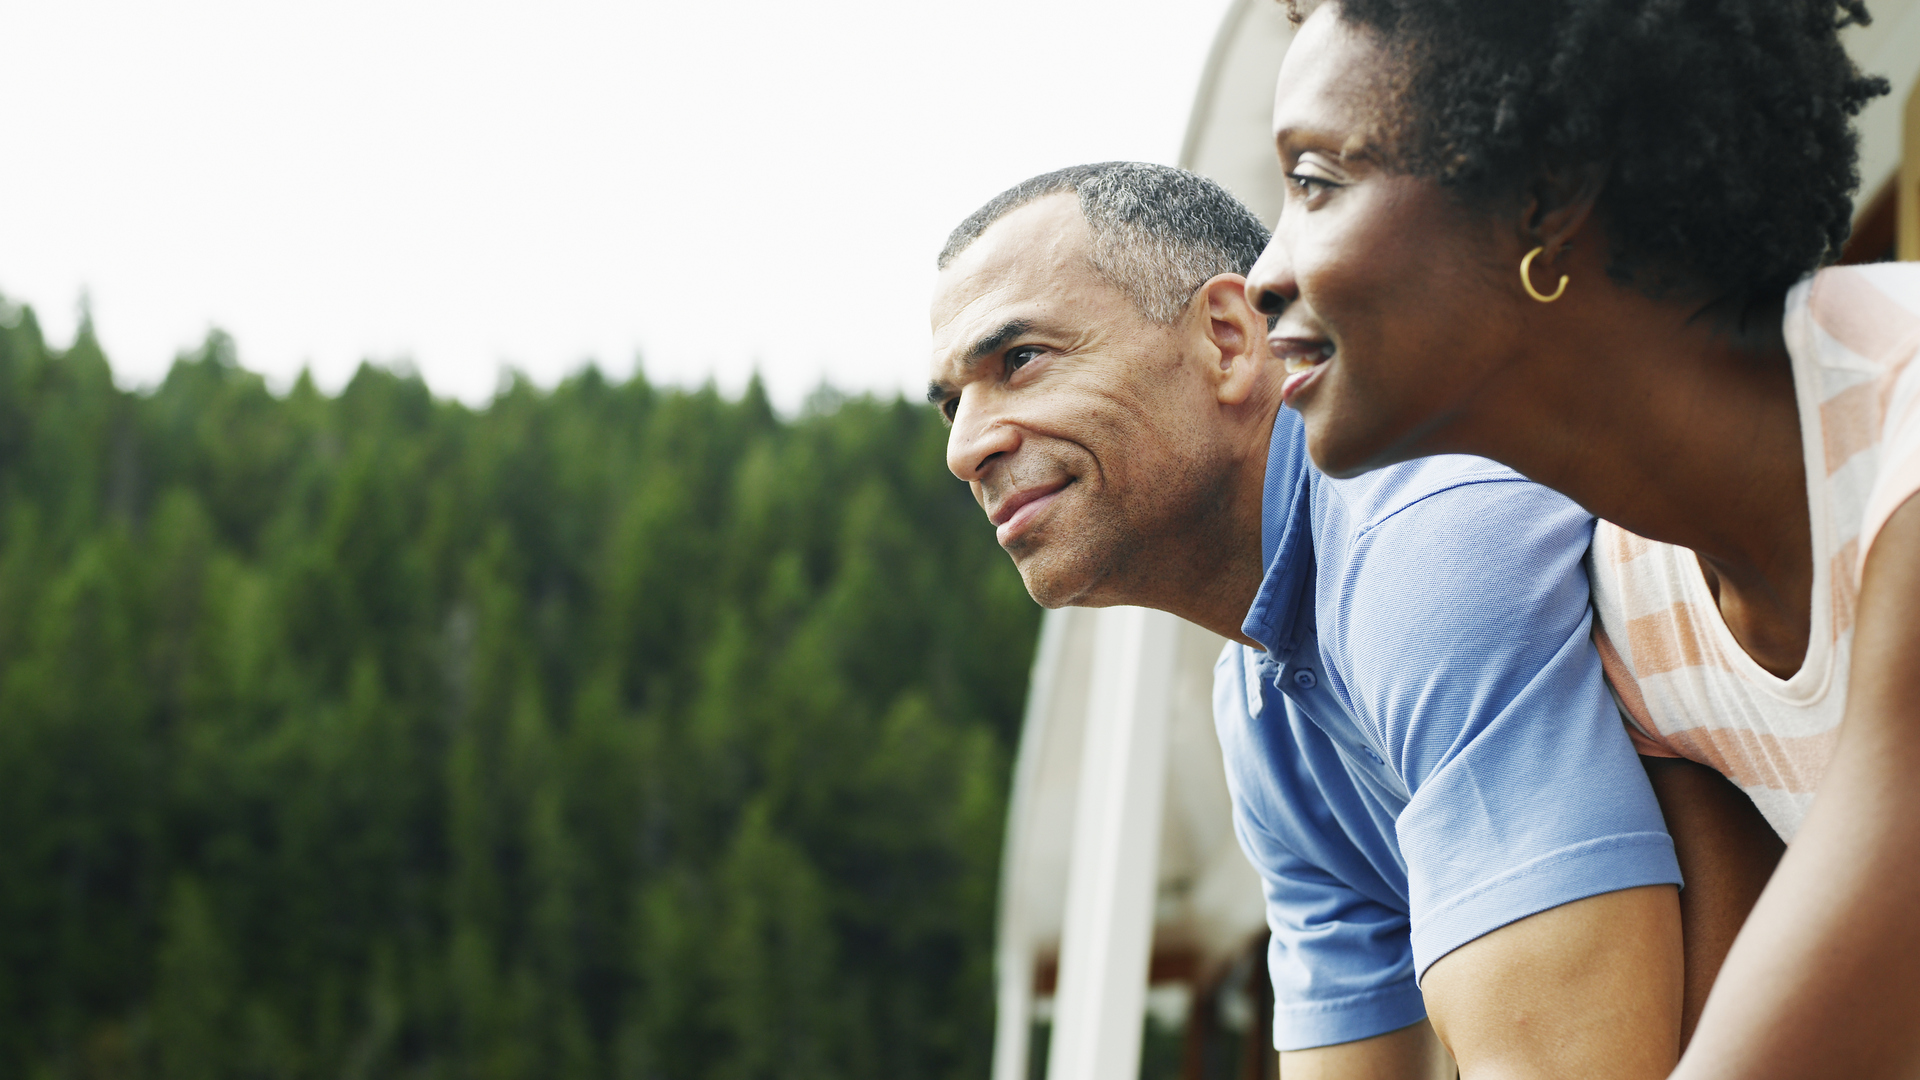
<point>1020,357</point>
<point>950,408</point>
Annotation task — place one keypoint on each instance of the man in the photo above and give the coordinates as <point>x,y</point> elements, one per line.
<point>1426,765</point>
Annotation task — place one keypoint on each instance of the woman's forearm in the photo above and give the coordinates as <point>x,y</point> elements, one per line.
<point>1824,980</point>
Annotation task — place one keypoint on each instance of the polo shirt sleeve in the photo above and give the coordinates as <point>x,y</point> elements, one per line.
<point>1469,655</point>
<point>1340,958</point>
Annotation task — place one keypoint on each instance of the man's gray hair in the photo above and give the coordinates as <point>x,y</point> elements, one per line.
<point>1159,233</point>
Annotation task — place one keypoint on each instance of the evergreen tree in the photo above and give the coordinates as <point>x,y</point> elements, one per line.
<point>607,731</point>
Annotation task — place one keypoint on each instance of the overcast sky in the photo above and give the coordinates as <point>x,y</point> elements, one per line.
<point>712,186</point>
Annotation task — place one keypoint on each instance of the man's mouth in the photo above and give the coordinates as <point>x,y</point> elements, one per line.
<point>1017,511</point>
<point>1303,358</point>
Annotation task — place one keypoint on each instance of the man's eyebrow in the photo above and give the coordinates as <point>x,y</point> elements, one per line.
<point>986,346</point>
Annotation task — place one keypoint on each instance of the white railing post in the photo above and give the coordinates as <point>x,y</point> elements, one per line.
<point>1014,956</point>
<point>1107,939</point>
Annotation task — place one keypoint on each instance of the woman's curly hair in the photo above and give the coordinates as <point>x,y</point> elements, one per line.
<point>1724,126</point>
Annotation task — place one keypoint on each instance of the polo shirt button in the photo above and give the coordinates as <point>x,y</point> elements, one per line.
<point>1304,679</point>
<point>1374,756</point>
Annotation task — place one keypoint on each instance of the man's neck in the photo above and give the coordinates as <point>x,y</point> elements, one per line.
<point>1210,572</point>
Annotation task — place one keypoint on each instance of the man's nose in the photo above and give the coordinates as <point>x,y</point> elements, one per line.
<point>978,437</point>
<point>1270,284</point>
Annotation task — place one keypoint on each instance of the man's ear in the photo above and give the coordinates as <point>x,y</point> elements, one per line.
<point>1237,335</point>
<point>1556,205</point>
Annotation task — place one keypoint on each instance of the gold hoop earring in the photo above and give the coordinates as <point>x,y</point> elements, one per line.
<point>1526,279</point>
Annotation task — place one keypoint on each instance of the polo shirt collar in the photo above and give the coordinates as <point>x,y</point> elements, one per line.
<point>1286,539</point>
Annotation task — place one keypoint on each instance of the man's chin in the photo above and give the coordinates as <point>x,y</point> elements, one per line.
<point>1055,581</point>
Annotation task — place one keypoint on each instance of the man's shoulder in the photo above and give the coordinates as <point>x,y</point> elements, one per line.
<point>1455,542</point>
<point>1450,485</point>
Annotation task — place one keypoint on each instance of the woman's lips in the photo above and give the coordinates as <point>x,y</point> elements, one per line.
<point>1303,360</point>
<point>1297,382</point>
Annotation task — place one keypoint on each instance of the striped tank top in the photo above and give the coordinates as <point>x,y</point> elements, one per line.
<point>1686,686</point>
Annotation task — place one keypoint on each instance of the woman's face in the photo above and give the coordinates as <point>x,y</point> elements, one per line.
<point>1395,300</point>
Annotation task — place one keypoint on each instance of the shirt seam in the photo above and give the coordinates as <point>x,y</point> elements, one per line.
<point>1366,531</point>
<point>1350,1002</point>
<point>1543,863</point>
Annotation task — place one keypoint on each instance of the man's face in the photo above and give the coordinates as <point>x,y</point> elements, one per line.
<point>1085,429</point>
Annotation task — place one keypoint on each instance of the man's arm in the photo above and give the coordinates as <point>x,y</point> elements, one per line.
<point>1823,981</point>
<point>1542,879</point>
<point>1412,1053</point>
<point>1589,989</point>
<point>1592,970</point>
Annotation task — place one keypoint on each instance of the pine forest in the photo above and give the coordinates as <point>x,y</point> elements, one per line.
<point>609,730</point>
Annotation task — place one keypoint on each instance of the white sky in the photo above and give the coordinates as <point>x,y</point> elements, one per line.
<point>715,186</point>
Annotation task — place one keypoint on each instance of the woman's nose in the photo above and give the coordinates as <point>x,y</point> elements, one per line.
<point>1265,300</point>
<point>1270,286</point>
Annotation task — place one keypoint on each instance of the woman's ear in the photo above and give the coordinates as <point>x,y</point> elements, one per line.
<point>1557,204</point>
<point>1236,337</point>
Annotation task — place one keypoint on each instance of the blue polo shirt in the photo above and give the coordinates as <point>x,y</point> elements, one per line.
<point>1425,750</point>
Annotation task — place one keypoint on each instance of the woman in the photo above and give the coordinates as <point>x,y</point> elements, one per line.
<point>1579,237</point>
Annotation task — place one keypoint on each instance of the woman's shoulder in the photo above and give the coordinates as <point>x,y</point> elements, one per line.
<point>1861,327</point>
<point>1871,311</point>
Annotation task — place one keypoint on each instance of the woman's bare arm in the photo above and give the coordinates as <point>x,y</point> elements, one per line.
<point>1825,978</point>
<point>1727,851</point>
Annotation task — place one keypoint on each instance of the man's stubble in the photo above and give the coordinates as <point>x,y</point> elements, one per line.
<point>1140,547</point>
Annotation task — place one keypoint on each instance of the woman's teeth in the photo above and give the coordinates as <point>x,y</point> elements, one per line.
<point>1299,362</point>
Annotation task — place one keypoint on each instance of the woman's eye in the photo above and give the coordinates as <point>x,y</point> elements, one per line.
<point>1307,184</point>
<point>1311,175</point>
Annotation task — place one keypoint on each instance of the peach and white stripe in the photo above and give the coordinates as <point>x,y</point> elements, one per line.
<point>1682,680</point>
